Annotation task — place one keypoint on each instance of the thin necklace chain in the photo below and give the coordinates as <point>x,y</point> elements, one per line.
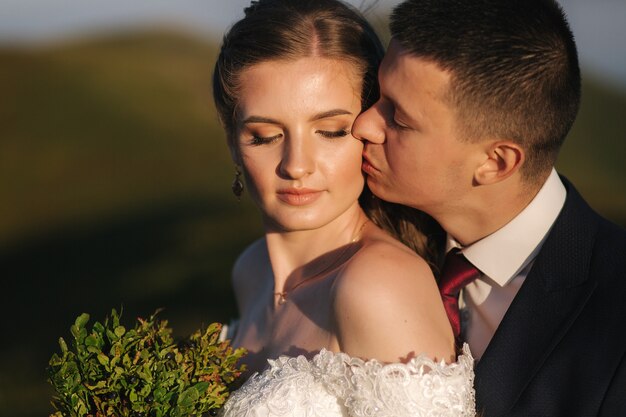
<point>282,296</point>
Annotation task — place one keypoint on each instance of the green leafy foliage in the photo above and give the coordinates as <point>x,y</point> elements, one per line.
<point>112,371</point>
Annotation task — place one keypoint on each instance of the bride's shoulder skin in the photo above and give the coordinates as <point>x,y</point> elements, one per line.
<point>387,306</point>
<point>245,274</point>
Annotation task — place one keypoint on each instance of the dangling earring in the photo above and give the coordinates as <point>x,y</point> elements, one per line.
<point>237,185</point>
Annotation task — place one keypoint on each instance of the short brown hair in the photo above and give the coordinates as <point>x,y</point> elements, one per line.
<point>513,65</point>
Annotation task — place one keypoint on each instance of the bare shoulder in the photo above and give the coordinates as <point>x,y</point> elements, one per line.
<point>387,305</point>
<point>245,273</point>
<point>384,266</point>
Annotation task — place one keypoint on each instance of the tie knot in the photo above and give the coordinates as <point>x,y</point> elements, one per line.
<point>457,272</point>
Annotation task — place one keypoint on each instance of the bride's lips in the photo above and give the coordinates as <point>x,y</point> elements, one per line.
<point>298,196</point>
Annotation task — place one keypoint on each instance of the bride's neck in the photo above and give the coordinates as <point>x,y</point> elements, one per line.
<point>290,251</point>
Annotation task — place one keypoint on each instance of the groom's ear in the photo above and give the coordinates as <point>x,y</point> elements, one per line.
<point>501,160</point>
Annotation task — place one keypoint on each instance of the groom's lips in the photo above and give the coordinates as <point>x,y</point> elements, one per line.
<point>367,166</point>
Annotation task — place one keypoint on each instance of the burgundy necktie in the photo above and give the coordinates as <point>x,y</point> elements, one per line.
<point>457,272</point>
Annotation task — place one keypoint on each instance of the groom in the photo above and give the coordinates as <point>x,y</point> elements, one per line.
<point>477,96</point>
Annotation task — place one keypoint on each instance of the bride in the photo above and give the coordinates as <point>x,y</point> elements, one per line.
<point>338,316</point>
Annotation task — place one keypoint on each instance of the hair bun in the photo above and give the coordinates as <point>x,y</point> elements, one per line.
<point>254,4</point>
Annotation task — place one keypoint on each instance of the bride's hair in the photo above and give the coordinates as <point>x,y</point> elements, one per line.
<point>292,29</point>
<point>288,30</point>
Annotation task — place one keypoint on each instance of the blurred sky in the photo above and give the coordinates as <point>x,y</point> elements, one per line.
<point>598,25</point>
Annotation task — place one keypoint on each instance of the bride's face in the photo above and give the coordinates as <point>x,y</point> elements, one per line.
<point>302,165</point>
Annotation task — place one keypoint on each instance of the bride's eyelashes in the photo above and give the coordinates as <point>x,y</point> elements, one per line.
<point>266,140</point>
<point>333,134</point>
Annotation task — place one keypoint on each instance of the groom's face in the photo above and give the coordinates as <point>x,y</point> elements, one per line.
<point>412,153</point>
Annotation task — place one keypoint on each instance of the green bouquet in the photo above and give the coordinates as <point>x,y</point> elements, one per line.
<point>142,372</point>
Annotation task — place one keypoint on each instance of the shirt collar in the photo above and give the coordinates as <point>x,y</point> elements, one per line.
<point>504,253</point>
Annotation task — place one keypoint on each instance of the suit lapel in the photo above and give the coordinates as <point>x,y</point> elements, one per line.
<point>552,296</point>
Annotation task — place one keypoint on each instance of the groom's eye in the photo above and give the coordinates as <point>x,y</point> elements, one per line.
<point>392,119</point>
<point>398,124</point>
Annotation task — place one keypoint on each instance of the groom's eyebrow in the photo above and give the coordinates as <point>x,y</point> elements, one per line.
<point>330,113</point>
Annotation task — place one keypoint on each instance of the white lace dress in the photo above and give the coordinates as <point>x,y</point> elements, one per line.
<point>337,385</point>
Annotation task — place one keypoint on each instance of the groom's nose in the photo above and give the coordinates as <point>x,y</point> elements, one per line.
<point>369,125</point>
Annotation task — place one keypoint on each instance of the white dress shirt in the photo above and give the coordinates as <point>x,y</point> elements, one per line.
<point>504,259</point>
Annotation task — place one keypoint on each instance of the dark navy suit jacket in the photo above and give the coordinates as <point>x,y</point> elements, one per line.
<point>561,347</point>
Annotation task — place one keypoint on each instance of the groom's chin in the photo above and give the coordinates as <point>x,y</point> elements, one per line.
<point>379,190</point>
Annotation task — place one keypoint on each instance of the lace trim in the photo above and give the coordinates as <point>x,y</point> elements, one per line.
<point>336,384</point>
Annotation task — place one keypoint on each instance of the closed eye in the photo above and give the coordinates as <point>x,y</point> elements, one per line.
<point>264,140</point>
<point>390,112</point>
<point>397,124</point>
<point>333,134</point>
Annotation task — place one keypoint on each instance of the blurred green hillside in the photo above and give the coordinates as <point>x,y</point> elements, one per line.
<point>115,190</point>
<point>593,156</point>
